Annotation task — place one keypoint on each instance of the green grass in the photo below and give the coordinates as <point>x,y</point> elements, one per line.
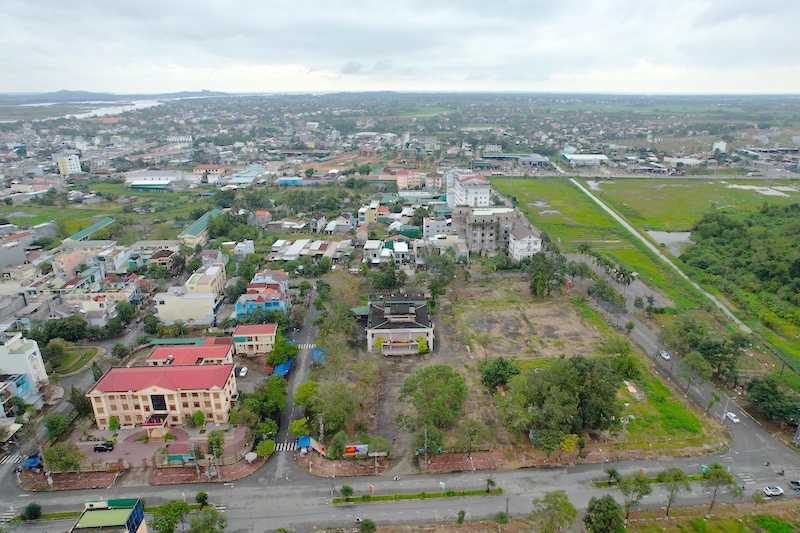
<point>416,496</point>
<point>661,415</point>
<point>76,360</point>
<point>590,315</point>
<point>729,524</point>
<point>676,204</point>
<point>579,220</point>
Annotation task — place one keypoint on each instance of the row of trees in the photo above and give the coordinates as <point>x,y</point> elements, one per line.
<point>688,335</point>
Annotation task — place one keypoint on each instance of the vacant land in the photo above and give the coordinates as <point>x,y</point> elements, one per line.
<point>570,218</point>
<point>535,332</point>
<point>677,204</point>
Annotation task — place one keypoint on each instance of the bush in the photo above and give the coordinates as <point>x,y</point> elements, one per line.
<point>501,518</point>
<point>32,511</point>
<point>461,515</point>
<point>201,498</point>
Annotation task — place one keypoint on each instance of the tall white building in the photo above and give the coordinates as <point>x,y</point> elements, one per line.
<point>523,242</point>
<point>68,164</point>
<point>21,357</point>
<point>472,191</point>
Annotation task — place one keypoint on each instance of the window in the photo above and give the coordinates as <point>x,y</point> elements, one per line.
<point>158,401</point>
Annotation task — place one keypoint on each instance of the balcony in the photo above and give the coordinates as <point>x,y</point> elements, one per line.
<point>400,348</point>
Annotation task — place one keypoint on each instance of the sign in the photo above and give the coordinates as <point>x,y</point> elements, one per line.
<point>371,489</point>
<point>317,446</point>
<point>441,485</point>
<point>351,450</point>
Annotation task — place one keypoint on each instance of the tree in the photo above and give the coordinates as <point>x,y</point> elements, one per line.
<point>216,443</point>
<point>553,513</point>
<point>674,480</point>
<point>693,367</point>
<point>568,444</point>
<point>435,395</point>
<point>714,399</point>
<point>55,353</point>
<point>613,475</point>
<point>304,394</point>
<point>282,351</point>
<point>32,511</point>
<point>97,371</point>
<point>334,403</point>
<point>267,428</point>
<point>604,515</point>
<point>208,521</point>
<point>629,325</point>
<point>166,517</point>
<point>56,424</point>
<point>151,324</point>
<point>63,456</point>
<point>367,526</point>
<point>265,448</point>
<point>490,483</point>
<point>197,420</point>
<point>79,401</point>
<point>119,351</point>
<point>496,372</point>
<point>484,338</point>
<point>346,491</point>
<point>125,311</point>
<point>299,427</point>
<point>634,488</point>
<point>717,479</point>
<point>201,498</point>
<point>113,423</point>
<point>336,447</point>
<point>472,432</point>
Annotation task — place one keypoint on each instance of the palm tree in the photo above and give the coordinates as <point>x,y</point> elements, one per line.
<point>584,248</point>
<point>490,483</point>
<point>613,474</point>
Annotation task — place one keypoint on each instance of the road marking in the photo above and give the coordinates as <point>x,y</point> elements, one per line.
<point>9,459</point>
<point>306,346</point>
<point>287,446</point>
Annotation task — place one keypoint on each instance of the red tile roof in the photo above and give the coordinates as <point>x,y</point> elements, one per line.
<point>188,355</point>
<point>123,379</point>
<point>220,341</point>
<point>256,329</point>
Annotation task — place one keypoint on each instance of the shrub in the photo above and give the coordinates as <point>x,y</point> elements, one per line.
<point>201,498</point>
<point>461,515</point>
<point>501,518</point>
<point>32,511</point>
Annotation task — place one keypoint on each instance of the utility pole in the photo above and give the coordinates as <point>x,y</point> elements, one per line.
<point>725,411</point>
<point>426,449</point>
<point>506,506</point>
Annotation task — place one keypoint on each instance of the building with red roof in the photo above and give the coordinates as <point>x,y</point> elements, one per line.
<point>254,339</point>
<point>157,398</point>
<point>206,354</point>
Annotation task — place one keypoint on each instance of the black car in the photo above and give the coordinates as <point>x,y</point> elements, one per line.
<point>795,485</point>
<point>103,447</point>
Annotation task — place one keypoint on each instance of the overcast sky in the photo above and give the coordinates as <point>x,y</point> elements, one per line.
<point>622,46</point>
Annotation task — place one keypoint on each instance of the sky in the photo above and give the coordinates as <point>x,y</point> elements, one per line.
<point>265,46</point>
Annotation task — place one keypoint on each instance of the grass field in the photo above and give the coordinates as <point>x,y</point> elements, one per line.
<point>676,204</point>
<point>570,218</point>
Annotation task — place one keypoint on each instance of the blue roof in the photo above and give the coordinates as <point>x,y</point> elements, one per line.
<point>283,368</point>
<point>318,356</point>
<point>85,232</point>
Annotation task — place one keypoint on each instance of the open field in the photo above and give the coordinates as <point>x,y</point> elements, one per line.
<point>570,218</point>
<point>536,332</point>
<point>676,204</point>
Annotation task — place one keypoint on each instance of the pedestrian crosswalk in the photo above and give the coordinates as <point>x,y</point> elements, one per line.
<point>747,479</point>
<point>10,459</point>
<point>306,346</point>
<point>8,516</point>
<point>288,446</point>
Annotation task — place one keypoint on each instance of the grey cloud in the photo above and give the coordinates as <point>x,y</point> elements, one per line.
<point>352,67</point>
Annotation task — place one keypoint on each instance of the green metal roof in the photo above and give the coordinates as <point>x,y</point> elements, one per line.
<point>201,223</point>
<point>197,341</point>
<point>85,232</point>
<point>362,310</point>
<point>104,518</point>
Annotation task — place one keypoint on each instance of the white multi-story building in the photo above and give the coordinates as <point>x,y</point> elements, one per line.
<point>19,355</point>
<point>523,242</point>
<point>68,164</point>
<point>472,191</point>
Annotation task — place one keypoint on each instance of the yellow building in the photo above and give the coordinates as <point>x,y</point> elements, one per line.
<point>254,339</point>
<point>159,397</point>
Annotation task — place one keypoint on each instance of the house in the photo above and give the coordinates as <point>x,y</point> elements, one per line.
<point>362,233</point>
<point>197,233</point>
<point>159,397</point>
<point>99,310</point>
<point>260,218</point>
<point>431,227</point>
<point>205,354</point>
<point>242,249</point>
<point>164,258</point>
<point>21,357</point>
<point>318,223</point>
<point>254,339</point>
<point>396,324</point>
<point>111,516</point>
<point>523,242</point>
<point>210,257</point>
<point>197,301</point>
<point>264,300</point>
<point>372,252</point>
<point>368,214</point>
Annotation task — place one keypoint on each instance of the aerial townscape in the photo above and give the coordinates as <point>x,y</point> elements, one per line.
<point>386,306</point>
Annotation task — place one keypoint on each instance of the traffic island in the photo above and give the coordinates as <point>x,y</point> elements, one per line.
<point>368,498</point>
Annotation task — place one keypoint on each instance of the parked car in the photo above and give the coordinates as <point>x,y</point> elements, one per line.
<point>243,372</point>
<point>664,355</point>
<point>110,440</point>
<point>773,491</point>
<point>103,447</point>
<point>795,485</point>
<point>732,417</point>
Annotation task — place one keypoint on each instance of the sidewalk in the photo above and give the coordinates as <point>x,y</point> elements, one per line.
<point>188,474</point>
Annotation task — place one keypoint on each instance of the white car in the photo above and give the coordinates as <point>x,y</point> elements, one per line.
<point>664,355</point>
<point>773,491</point>
<point>732,417</point>
<point>243,372</point>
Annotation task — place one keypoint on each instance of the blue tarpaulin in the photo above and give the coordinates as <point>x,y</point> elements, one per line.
<point>283,368</point>
<point>318,356</point>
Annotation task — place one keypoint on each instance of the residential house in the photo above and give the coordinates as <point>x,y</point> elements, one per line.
<point>254,339</point>
<point>242,249</point>
<point>197,233</point>
<point>21,356</point>
<point>523,242</point>
<point>318,223</point>
<point>372,252</point>
<point>260,218</point>
<point>396,324</point>
<point>99,310</point>
<point>159,397</point>
<point>210,257</point>
<point>197,301</point>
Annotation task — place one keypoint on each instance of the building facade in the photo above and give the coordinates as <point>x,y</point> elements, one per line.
<point>254,339</point>
<point>159,397</point>
<point>472,191</point>
<point>523,242</point>
<point>396,325</point>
